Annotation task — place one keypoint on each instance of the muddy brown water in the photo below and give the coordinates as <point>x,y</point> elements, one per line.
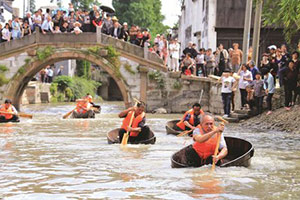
<point>50,158</point>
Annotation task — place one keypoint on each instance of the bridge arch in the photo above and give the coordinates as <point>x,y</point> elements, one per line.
<point>19,81</point>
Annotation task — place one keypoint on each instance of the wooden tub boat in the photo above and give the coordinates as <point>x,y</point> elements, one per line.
<point>170,127</point>
<point>113,138</point>
<point>97,110</point>
<point>240,153</point>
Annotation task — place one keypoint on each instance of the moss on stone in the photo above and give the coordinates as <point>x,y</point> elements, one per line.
<point>44,53</point>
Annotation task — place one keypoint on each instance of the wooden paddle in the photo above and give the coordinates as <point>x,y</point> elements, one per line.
<point>68,114</point>
<point>218,141</point>
<point>25,115</point>
<point>126,135</point>
<point>184,133</point>
<point>19,114</point>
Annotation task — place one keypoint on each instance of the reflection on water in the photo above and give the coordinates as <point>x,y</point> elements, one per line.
<point>48,157</point>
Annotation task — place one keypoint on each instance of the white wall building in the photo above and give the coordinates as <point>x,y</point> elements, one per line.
<point>197,23</point>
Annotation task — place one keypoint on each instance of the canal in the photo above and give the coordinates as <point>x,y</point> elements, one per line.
<point>48,157</point>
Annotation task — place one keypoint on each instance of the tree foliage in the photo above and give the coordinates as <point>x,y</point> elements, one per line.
<point>83,69</point>
<point>84,4</point>
<point>32,6</point>
<point>143,13</point>
<point>284,13</point>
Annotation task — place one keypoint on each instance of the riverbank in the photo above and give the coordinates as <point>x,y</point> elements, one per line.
<point>280,120</point>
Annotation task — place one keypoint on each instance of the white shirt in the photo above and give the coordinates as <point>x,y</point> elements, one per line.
<point>5,34</point>
<point>200,59</point>
<point>174,50</point>
<point>243,83</point>
<point>227,84</point>
<point>50,72</point>
<point>37,18</point>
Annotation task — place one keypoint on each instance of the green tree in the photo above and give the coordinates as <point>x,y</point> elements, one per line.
<point>83,69</point>
<point>84,4</point>
<point>144,13</point>
<point>282,13</point>
<point>32,6</point>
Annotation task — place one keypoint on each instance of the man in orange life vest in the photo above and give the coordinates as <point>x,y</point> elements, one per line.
<point>137,131</point>
<point>7,108</point>
<point>191,118</point>
<point>83,109</point>
<point>89,98</point>
<point>203,149</point>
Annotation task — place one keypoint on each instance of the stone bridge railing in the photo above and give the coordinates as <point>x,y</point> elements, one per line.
<point>82,40</point>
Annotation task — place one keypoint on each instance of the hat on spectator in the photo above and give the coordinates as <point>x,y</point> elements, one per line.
<point>77,23</point>
<point>272,47</point>
<point>125,24</point>
<point>114,18</point>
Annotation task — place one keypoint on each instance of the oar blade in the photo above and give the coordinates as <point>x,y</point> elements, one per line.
<point>25,115</point>
<point>125,139</point>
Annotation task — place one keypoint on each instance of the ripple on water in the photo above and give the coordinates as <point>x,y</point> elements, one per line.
<point>52,158</point>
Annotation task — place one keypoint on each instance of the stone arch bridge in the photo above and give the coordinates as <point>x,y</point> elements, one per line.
<point>27,56</point>
<point>145,79</point>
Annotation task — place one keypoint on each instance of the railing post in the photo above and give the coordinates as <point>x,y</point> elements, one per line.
<point>37,34</point>
<point>146,50</point>
<point>98,32</point>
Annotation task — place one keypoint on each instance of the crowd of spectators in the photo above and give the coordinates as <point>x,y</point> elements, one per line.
<point>278,69</point>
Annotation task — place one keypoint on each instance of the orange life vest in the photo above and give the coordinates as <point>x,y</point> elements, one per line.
<point>135,122</point>
<point>79,106</point>
<point>207,148</point>
<point>9,110</point>
<point>181,124</point>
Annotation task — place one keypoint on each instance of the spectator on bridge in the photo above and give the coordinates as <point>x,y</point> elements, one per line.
<point>26,30</point>
<point>58,19</point>
<point>146,37</point>
<point>86,21</point>
<point>236,56</point>
<point>174,55</point>
<point>116,30</point>
<point>6,33</point>
<point>16,29</point>
<point>37,20</point>
<point>133,33</point>
<point>107,24</point>
<point>47,26</point>
<point>125,31</point>
<point>65,28</point>
<point>77,29</point>
<point>71,20</point>
<point>56,29</point>
<point>190,50</point>
<point>157,39</point>
<point>92,17</point>
<point>97,21</point>
<point>29,20</point>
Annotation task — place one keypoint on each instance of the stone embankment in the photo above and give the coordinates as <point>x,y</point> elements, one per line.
<point>280,120</point>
